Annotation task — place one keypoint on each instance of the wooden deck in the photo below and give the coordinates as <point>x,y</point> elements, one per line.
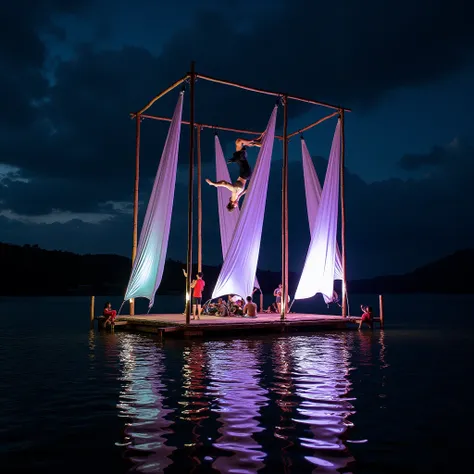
<point>175,324</point>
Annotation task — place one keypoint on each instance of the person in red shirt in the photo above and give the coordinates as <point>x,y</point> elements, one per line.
<point>197,286</point>
<point>367,316</point>
<point>109,313</point>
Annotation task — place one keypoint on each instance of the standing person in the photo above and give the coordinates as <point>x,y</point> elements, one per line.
<point>277,295</point>
<point>197,286</point>
<point>250,309</point>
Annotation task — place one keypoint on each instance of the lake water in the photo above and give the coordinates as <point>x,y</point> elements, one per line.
<point>392,401</point>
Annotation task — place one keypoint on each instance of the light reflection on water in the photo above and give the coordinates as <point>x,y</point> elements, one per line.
<point>141,404</point>
<point>235,377</point>
<point>396,401</point>
<point>243,406</point>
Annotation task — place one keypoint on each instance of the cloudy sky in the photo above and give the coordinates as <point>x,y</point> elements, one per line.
<point>72,71</point>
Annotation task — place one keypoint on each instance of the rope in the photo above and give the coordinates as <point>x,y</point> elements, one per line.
<point>348,306</point>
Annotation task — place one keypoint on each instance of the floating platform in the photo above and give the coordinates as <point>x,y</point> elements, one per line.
<point>174,325</point>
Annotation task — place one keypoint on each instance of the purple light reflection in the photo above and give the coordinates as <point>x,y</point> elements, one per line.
<point>141,400</point>
<point>321,368</point>
<point>235,374</point>
<point>194,408</point>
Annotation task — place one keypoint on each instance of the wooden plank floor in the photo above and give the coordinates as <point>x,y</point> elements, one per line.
<point>176,323</point>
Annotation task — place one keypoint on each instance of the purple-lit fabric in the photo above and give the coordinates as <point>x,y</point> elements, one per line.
<point>227,220</point>
<point>149,263</point>
<point>313,198</point>
<point>320,264</point>
<point>238,272</point>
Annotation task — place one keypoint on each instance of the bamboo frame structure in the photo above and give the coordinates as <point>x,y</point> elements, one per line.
<point>199,184</point>
<point>135,200</point>
<point>343,219</point>
<point>189,262</point>
<point>196,127</point>
<point>284,214</point>
<point>276,94</point>
<point>311,125</point>
<point>213,127</point>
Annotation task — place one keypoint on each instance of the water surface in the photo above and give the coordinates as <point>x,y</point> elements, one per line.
<point>74,400</point>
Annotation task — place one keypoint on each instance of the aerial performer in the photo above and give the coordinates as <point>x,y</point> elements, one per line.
<point>240,157</point>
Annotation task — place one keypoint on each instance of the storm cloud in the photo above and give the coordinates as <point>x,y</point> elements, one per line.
<point>66,130</point>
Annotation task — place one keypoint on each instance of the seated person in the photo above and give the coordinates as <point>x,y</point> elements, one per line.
<point>222,309</point>
<point>367,316</point>
<point>250,309</point>
<point>109,313</point>
<point>237,308</point>
<point>272,308</point>
<point>210,308</point>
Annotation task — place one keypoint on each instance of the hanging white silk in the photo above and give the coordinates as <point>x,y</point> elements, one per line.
<point>227,220</point>
<point>237,275</point>
<point>320,264</point>
<point>147,270</point>
<point>313,199</point>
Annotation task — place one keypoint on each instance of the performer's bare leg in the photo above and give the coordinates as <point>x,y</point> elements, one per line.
<point>241,142</point>
<point>221,184</point>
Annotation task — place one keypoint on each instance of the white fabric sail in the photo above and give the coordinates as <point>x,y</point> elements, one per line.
<point>149,264</point>
<point>227,220</point>
<point>320,263</point>
<point>237,275</point>
<point>313,199</point>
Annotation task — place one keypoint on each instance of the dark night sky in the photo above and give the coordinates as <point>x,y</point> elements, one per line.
<point>73,70</point>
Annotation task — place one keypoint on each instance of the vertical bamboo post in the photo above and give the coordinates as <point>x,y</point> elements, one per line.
<point>189,263</point>
<point>92,313</point>
<point>135,200</point>
<point>381,311</point>
<point>199,186</point>
<point>343,220</point>
<point>284,213</point>
<point>261,301</point>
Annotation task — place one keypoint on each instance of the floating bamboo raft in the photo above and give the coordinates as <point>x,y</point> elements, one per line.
<point>174,325</point>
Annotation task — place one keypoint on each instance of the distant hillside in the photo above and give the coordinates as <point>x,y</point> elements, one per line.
<point>30,270</point>
<point>450,274</point>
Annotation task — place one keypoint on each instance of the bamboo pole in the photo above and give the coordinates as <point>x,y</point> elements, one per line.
<point>203,125</point>
<point>199,179</point>
<point>381,311</point>
<point>162,94</point>
<point>311,125</point>
<point>343,220</point>
<point>135,200</point>
<point>261,301</point>
<point>263,91</point>
<point>92,311</point>
<point>284,213</point>
<point>189,263</point>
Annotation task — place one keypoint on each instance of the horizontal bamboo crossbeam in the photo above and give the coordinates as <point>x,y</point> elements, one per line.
<point>161,94</point>
<point>203,125</point>
<point>276,94</point>
<point>311,125</point>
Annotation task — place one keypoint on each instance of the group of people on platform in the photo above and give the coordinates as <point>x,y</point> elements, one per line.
<point>235,304</point>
